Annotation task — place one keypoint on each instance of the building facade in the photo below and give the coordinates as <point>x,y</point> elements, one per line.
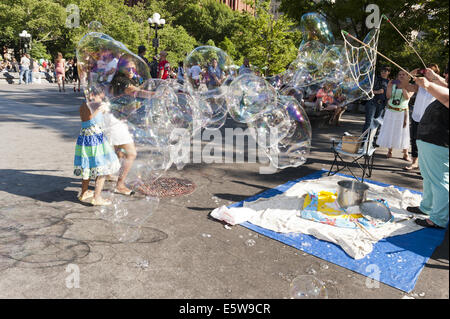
<point>237,5</point>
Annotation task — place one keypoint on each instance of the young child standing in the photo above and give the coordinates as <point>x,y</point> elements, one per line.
<point>94,156</point>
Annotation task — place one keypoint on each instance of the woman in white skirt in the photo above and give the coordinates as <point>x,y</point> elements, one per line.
<point>394,133</point>
<point>119,136</point>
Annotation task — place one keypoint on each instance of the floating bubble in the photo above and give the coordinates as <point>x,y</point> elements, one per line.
<point>95,26</point>
<point>249,96</point>
<point>315,28</point>
<point>273,125</point>
<point>133,212</point>
<point>107,63</point>
<point>307,287</point>
<point>250,242</point>
<point>294,149</point>
<point>208,68</point>
<point>127,215</point>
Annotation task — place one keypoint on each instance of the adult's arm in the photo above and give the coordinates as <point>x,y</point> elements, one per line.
<point>138,92</point>
<point>435,78</point>
<point>435,89</point>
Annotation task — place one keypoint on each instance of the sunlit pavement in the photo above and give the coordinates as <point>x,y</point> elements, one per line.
<point>46,233</point>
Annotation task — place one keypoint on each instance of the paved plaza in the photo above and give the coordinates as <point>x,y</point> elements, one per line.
<point>182,252</point>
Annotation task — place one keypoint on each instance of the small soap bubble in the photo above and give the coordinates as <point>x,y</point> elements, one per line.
<point>307,287</point>
<point>250,242</point>
<point>310,270</point>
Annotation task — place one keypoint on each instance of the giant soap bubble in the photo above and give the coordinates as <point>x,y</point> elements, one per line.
<point>248,96</point>
<point>294,148</point>
<point>316,28</point>
<point>272,125</point>
<point>102,61</point>
<point>209,70</point>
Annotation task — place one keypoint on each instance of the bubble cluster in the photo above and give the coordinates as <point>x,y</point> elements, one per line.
<point>163,115</point>
<point>324,64</point>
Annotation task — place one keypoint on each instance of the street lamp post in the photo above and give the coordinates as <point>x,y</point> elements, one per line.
<point>27,37</point>
<point>156,23</point>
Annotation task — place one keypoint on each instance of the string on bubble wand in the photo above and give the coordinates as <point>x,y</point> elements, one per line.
<point>404,38</point>
<point>356,57</point>
<point>368,46</point>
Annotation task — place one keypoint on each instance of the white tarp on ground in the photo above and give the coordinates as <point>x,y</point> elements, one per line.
<point>281,214</point>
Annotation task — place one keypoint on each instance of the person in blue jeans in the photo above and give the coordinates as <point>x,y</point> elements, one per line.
<point>215,75</point>
<point>375,106</point>
<point>432,143</point>
<point>24,69</point>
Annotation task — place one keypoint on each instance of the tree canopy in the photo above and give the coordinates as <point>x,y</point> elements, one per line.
<point>269,42</point>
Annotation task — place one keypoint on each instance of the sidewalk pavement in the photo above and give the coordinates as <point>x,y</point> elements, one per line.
<point>182,253</point>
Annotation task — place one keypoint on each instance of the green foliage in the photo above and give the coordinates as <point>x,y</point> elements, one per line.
<point>177,42</point>
<point>210,43</point>
<point>266,41</point>
<point>228,46</point>
<point>205,19</point>
<point>39,51</point>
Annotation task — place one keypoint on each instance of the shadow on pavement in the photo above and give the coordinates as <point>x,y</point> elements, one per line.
<point>25,183</point>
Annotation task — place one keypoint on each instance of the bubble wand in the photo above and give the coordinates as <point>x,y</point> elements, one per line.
<point>387,19</point>
<point>368,46</point>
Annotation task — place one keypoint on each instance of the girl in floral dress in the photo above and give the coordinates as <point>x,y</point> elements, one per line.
<point>94,156</point>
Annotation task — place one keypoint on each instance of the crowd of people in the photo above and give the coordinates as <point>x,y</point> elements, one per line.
<point>32,70</point>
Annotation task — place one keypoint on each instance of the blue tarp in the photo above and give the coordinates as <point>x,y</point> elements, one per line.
<point>397,261</point>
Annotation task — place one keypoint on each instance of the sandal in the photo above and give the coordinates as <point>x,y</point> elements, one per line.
<point>411,167</point>
<point>129,193</point>
<point>406,158</point>
<point>86,196</point>
<point>101,202</point>
<point>389,155</point>
<point>424,223</point>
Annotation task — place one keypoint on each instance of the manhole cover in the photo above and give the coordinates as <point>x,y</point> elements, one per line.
<point>167,187</point>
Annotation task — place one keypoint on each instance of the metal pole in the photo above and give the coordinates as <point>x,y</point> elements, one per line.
<point>156,37</point>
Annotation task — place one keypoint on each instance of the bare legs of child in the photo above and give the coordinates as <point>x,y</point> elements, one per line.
<point>93,197</point>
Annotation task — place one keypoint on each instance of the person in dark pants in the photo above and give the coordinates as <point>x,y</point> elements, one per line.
<point>378,102</point>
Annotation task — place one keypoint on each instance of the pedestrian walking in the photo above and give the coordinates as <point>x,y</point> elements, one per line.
<point>60,71</point>
<point>76,76</point>
<point>125,87</point>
